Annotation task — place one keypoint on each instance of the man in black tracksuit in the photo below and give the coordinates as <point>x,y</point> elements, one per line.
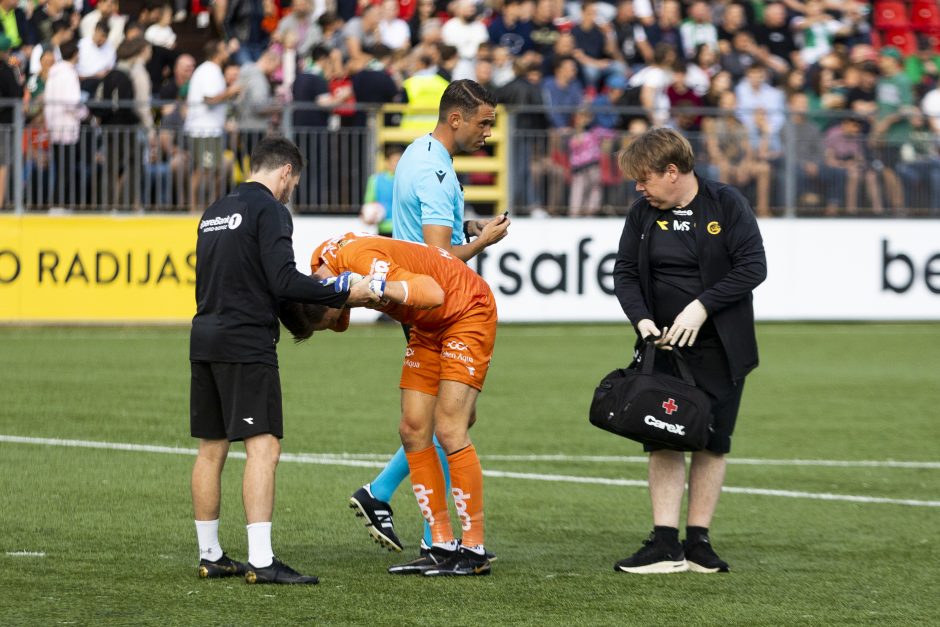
<point>690,255</point>
<point>244,271</point>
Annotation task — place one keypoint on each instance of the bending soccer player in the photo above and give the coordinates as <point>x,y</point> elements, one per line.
<point>452,314</point>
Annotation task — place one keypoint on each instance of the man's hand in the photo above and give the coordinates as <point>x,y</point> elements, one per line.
<point>493,229</point>
<point>343,282</point>
<point>686,326</point>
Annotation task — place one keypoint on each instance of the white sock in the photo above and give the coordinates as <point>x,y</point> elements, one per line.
<point>447,546</point>
<point>207,533</point>
<point>478,549</point>
<point>260,553</point>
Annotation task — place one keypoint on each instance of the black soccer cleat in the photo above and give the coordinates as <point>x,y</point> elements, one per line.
<point>429,558</point>
<point>378,515</point>
<point>277,572</point>
<point>655,557</point>
<point>464,563</point>
<point>490,556</point>
<point>702,557</point>
<point>225,566</point>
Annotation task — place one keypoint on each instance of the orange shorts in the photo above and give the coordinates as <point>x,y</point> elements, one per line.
<point>460,352</point>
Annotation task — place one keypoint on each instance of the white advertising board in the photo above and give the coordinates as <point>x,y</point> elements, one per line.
<point>559,270</point>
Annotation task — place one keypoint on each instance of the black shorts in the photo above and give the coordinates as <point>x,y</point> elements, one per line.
<point>234,401</point>
<point>709,367</point>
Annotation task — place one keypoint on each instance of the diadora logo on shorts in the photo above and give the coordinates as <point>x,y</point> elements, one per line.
<point>456,345</point>
<point>424,503</point>
<point>666,426</point>
<point>249,420</point>
<point>231,222</point>
<point>460,502</point>
<point>471,370</point>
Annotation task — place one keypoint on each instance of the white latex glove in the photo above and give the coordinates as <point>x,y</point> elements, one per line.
<point>686,326</point>
<point>647,328</point>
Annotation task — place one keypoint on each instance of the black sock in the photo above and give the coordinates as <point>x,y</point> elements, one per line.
<point>696,534</point>
<point>669,535</point>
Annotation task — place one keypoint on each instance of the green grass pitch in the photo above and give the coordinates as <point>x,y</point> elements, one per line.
<point>94,536</point>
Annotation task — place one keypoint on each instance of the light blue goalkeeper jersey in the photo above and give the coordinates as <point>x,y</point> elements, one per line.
<point>426,191</point>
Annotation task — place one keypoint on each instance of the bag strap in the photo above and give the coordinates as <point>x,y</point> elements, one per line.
<point>649,355</point>
<point>684,371</point>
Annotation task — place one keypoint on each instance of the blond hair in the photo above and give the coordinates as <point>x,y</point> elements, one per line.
<point>654,151</point>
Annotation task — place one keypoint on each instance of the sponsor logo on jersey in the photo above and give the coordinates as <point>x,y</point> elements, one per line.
<point>663,224</point>
<point>440,175</point>
<point>681,212</point>
<point>713,228</point>
<point>456,345</point>
<point>226,223</point>
<point>378,269</point>
<point>681,225</point>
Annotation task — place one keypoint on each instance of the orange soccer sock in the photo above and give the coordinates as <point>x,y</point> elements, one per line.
<point>427,481</point>
<point>466,477</point>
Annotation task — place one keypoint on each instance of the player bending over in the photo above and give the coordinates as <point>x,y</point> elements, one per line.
<point>452,314</point>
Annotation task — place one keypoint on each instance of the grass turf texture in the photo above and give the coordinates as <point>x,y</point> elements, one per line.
<point>119,544</point>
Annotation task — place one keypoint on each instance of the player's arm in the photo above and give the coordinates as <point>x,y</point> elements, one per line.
<point>487,232</point>
<point>418,290</point>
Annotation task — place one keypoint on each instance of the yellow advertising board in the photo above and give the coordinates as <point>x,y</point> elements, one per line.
<point>97,268</point>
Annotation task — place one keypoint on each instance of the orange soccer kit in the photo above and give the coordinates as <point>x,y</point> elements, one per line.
<point>452,342</point>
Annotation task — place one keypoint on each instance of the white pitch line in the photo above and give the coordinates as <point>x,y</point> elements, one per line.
<point>637,459</point>
<point>307,458</point>
<point>378,457</point>
<point>26,554</point>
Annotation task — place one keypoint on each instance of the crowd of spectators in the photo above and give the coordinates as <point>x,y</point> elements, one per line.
<point>809,89</point>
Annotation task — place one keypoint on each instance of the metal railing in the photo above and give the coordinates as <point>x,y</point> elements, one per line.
<point>811,166</point>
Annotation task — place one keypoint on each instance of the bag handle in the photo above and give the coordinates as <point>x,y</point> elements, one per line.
<point>649,354</point>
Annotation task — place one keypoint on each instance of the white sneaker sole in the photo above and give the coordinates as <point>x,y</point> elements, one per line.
<point>377,535</point>
<point>696,568</point>
<point>659,568</point>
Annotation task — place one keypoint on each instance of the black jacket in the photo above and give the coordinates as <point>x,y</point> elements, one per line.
<point>731,261</point>
<point>9,88</point>
<point>244,269</point>
<point>114,88</point>
<point>520,92</point>
<point>306,89</point>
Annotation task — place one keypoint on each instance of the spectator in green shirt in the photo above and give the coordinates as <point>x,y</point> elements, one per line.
<point>895,97</point>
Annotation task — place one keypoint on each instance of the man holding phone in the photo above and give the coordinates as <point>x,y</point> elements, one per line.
<point>428,207</point>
